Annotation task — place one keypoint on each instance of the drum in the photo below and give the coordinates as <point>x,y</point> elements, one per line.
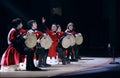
<point>72,40</point>
<point>78,39</point>
<point>46,42</point>
<point>65,41</point>
<point>31,40</point>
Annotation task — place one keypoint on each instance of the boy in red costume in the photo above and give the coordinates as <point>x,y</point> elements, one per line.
<point>15,39</point>
<point>71,49</point>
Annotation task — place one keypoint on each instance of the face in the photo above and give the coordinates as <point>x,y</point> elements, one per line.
<point>20,26</point>
<point>71,27</point>
<point>34,25</point>
<point>54,27</point>
<point>59,29</point>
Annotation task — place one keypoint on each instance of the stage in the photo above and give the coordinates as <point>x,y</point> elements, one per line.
<point>85,64</point>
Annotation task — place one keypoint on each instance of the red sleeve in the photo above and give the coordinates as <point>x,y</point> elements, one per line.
<point>12,35</point>
<point>66,30</point>
<point>73,32</point>
<point>39,32</point>
<point>60,33</point>
<point>48,31</point>
<point>23,31</point>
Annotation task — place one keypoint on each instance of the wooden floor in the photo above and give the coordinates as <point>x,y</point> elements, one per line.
<point>84,64</point>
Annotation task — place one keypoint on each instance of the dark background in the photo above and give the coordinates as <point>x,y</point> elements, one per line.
<point>97,20</point>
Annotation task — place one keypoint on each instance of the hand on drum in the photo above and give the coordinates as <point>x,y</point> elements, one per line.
<point>79,34</point>
<point>68,36</point>
<point>38,41</point>
<point>45,35</point>
<point>24,37</point>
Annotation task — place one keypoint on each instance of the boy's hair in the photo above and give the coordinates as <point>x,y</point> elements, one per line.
<point>15,22</point>
<point>30,22</point>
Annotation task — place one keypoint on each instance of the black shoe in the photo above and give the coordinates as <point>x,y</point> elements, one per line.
<point>64,63</point>
<point>47,65</point>
<point>68,61</point>
<point>34,69</point>
<point>74,60</point>
<point>41,65</point>
<point>80,58</point>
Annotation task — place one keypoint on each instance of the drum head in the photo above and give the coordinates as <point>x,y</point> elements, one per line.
<point>31,40</point>
<point>66,42</point>
<point>78,40</point>
<point>72,40</point>
<point>46,42</point>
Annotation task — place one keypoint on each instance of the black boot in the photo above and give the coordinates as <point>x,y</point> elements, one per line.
<point>45,58</point>
<point>29,62</point>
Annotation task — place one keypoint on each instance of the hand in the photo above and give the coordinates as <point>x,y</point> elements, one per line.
<point>59,30</point>
<point>78,34</point>
<point>43,20</point>
<point>68,36</point>
<point>24,37</point>
<point>45,35</point>
<point>38,41</point>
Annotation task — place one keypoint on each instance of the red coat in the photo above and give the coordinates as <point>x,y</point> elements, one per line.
<point>38,33</point>
<point>60,34</point>
<point>71,32</point>
<point>11,56</point>
<point>54,37</point>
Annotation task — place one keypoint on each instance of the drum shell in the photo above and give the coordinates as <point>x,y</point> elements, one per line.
<point>64,42</point>
<point>31,40</point>
<point>78,39</point>
<point>46,42</point>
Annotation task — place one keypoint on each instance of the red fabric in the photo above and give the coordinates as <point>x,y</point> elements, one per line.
<point>66,51</point>
<point>12,35</point>
<point>52,35</point>
<point>70,31</point>
<point>35,56</point>
<point>11,56</point>
<point>60,34</point>
<point>52,49</point>
<point>22,31</point>
<point>38,33</point>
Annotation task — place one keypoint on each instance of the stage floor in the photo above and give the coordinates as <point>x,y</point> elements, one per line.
<point>84,64</point>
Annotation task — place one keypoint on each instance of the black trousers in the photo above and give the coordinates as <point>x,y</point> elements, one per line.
<point>71,52</point>
<point>29,60</point>
<point>42,55</point>
<point>20,46</point>
<point>62,54</point>
<point>76,51</point>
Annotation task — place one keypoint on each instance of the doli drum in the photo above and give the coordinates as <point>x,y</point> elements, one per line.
<point>65,41</point>
<point>78,39</point>
<point>72,40</point>
<point>46,42</point>
<point>31,40</point>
